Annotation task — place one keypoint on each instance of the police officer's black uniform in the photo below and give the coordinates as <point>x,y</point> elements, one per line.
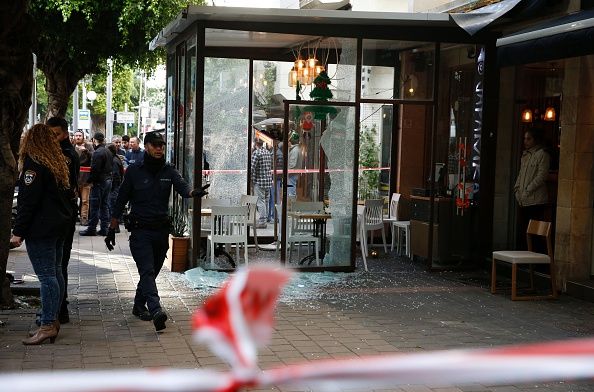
<point>147,187</point>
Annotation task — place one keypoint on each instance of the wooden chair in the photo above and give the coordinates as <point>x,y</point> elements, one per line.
<point>516,257</point>
<point>251,202</point>
<point>372,219</point>
<point>228,225</point>
<point>398,226</point>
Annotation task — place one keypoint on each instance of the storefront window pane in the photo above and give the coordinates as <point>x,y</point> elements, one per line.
<point>325,149</point>
<point>225,141</point>
<point>190,120</point>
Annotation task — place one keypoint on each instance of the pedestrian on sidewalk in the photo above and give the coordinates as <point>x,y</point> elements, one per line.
<point>117,173</point>
<point>101,167</point>
<point>147,186</point>
<point>85,150</point>
<point>135,154</point>
<point>262,180</point>
<point>60,127</point>
<point>43,219</point>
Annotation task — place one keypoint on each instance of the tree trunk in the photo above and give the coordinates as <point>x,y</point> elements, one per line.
<point>16,82</point>
<point>60,84</point>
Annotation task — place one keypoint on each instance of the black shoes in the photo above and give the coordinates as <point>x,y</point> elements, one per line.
<point>88,233</point>
<point>142,313</point>
<point>159,319</point>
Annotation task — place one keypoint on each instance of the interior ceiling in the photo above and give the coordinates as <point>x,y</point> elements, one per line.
<point>254,39</point>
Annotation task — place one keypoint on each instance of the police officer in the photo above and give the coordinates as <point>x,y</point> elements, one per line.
<point>147,186</point>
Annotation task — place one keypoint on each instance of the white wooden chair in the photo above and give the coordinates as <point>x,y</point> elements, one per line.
<point>517,257</point>
<point>372,219</point>
<point>205,219</point>
<point>398,226</point>
<point>228,226</point>
<point>301,230</point>
<point>252,203</point>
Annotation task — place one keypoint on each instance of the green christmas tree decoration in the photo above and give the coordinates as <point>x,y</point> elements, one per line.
<point>321,93</point>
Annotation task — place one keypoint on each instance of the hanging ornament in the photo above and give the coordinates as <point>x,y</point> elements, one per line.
<point>307,120</point>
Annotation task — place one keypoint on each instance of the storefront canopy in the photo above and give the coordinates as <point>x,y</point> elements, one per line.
<point>569,36</point>
<point>235,27</point>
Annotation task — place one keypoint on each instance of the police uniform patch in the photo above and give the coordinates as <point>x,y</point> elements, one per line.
<point>29,177</point>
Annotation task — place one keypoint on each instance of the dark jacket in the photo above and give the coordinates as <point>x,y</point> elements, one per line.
<point>73,162</point>
<point>134,156</point>
<point>117,172</point>
<point>44,210</point>
<point>85,156</point>
<point>148,194</point>
<point>101,165</point>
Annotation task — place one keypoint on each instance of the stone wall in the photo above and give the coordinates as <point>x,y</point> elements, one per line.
<point>573,237</point>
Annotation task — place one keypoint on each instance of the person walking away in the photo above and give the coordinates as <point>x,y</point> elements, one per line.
<point>117,173</point>
<point>530,188</point>
<point>262,179</point>
<point>147,186</point>
<point>275,193</point>
<point>293,164</point>
<point>85,151</point>
<point>101,167</point>
<point>135,154</point>
<point>60,128</point>
<point>44,217</point>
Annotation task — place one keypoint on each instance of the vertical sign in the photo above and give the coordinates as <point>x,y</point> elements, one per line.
<point>84,119</point>
<point>477,128</point>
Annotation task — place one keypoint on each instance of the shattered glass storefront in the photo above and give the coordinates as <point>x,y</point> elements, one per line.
<point>350,109</point>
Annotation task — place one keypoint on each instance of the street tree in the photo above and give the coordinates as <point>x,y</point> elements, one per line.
<point>71,39</point>
<point>17,35</point>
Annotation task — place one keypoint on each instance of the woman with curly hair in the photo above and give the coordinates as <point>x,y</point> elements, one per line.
<point>43,214</point>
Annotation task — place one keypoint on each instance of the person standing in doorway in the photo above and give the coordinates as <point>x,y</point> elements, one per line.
<point>293,164</point>
<point>147,186</point>
<point>262,179</point>
<point>101,168</point>
<point>85,151</point>
<point>135,154</point>
<point>530,188</point>
<point>44,216</point>
<point>275,194</point>
<point>60,128</point>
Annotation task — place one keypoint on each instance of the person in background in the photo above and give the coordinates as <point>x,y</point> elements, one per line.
<point>85,151</point>
<point>126,143</point>
<point>101,167</point>
<point>117,174</point>
<point>530,188</point>
<point>293,164</point>
<point>44,217</point>
<point>117,142</point>
<point>135,154</point>
<point>147,186</point>
<point>275,194</point>
<point>262,179</point>
<point>60,128</point>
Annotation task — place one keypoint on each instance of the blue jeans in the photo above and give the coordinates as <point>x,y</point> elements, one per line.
<point>273,192</point>
<point>99,205</point>
<point>292,185</point>
<point>46,257</point>
<point>148,248</point>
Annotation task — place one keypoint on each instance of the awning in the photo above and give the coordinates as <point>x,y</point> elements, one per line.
<point>565,37</point>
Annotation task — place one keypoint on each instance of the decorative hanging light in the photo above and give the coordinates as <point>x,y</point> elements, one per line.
<point>527,115</point>
<point>293,77</point>
<point>550,114</point>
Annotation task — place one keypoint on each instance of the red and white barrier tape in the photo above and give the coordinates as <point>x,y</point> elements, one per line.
<point>239,318</point>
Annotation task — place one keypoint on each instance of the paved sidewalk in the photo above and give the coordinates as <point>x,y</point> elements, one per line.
<point>397,307</point>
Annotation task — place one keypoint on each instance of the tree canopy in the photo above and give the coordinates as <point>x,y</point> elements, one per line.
<point>78,36</point>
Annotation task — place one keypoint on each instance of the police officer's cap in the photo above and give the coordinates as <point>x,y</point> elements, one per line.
<point>154,138</point>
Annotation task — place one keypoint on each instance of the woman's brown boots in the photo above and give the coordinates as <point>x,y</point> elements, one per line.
<point>42,334</point>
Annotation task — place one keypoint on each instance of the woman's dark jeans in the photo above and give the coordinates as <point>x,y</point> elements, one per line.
<point>46,257</point>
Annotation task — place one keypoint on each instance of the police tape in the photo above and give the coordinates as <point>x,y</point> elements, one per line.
<point>239,318</point>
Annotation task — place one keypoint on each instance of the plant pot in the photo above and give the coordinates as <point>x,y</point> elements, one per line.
<point>179,253</point>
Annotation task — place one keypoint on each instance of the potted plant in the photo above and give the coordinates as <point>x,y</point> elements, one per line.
<point>179,241</point>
